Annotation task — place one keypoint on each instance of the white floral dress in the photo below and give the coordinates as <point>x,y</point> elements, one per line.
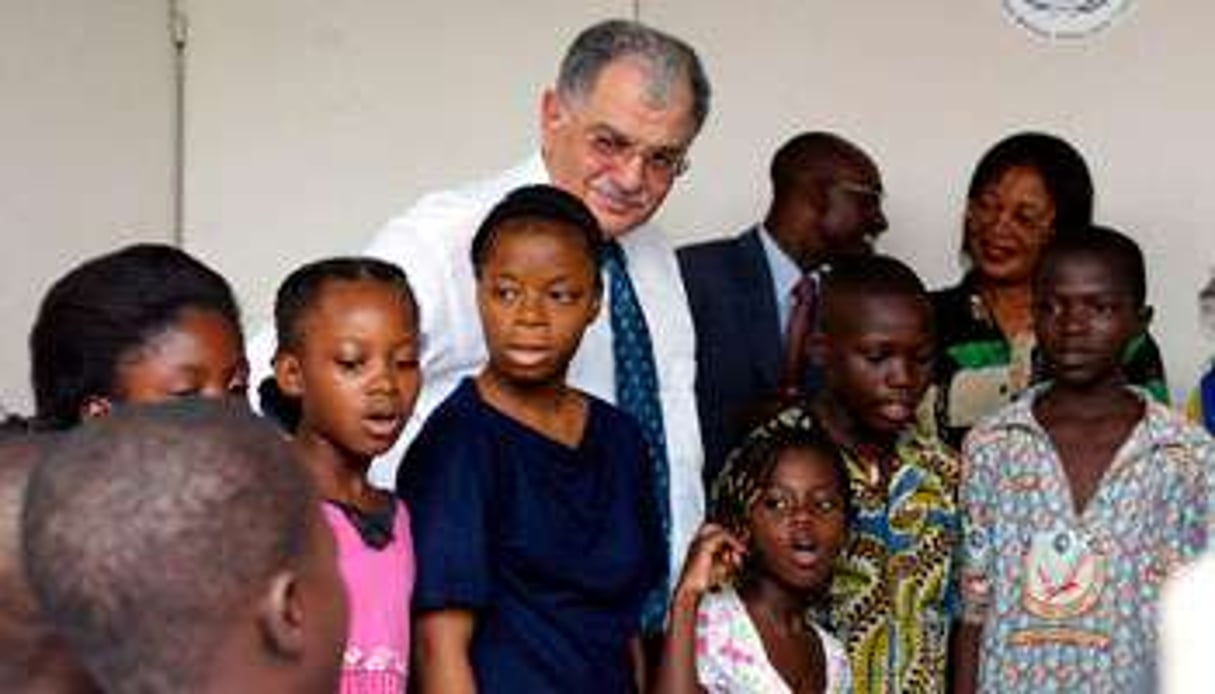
<point>730,655</point>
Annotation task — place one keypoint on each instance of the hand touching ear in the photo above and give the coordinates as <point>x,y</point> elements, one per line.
<point>713,558</point>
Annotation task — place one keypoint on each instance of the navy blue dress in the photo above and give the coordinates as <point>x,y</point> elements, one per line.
<point>553,548</point>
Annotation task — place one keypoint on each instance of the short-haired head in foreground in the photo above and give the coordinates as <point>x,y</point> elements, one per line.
<point>179,548</point>
<point>108,315</point>
<point>34,659</point>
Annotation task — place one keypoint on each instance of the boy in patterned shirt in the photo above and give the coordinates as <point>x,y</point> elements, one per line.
<point>1080,497</point>
<point>892,597</point>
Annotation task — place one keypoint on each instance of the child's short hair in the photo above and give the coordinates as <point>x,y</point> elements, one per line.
<point>1116,250</point>
<point>98,312</point>
<point>542,202</point>
<point>868,275</point>
<point>148,533</point>
<point>749,467</point>
<point>299,292</point>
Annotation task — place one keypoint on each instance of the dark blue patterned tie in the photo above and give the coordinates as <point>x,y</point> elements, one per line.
<point>637,394</point>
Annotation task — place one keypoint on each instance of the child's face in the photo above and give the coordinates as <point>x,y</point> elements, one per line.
<point>201,354</point>
<point>536,295</point>
<point>356,372</point>
<point>798,524</point>
<point>1084,316</point>
<point>877,361</point>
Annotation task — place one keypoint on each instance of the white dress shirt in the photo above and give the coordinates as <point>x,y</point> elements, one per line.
<point>431,242</point>
<point>785,276</point>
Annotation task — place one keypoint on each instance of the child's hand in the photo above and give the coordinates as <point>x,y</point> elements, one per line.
<point>714,555</point>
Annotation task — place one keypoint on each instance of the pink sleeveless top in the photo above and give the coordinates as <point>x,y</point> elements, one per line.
<point>379,584</point>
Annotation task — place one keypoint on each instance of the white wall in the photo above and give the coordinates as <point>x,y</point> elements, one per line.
<point>85,148</point>
<point>312,122</point>
<point>927,87</point>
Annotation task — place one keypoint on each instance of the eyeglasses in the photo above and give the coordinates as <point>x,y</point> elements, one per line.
<point>874,193</point>
<point>987,211</point>
<point>662,164</point>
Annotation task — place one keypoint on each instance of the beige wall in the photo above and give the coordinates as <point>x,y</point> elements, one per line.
<point>85,148</point>
<point>312,122</point>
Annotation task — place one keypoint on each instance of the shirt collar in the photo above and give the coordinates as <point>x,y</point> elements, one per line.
<point>785,272</point>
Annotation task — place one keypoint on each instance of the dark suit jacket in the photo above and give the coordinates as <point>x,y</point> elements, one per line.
<point>738,338</point>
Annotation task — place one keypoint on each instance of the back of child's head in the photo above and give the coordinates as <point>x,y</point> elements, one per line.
<point>748,469</point>
<point>34,658</point>
<point>1111,248</point>
<point>865,277</point>
<point>149,537</point>
<point>543,203</point>
<point>103,311</point>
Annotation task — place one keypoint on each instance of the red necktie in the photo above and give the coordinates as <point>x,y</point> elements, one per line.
<point>797,337</point>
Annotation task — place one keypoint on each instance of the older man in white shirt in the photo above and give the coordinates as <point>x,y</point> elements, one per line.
<point>615,131</point>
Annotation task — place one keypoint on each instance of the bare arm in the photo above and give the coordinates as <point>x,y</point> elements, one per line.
<point>964,654</point>
<point>712,557</point>
<point>441,654</point>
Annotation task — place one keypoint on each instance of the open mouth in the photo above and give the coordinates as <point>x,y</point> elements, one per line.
<point>806,553</point>
<point>385,424</point>
<point>528,355</point>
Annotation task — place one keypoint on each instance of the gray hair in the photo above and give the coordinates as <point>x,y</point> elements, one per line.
<point>667,58</point>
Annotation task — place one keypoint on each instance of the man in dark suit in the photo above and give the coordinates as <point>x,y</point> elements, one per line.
<point>826,200</point>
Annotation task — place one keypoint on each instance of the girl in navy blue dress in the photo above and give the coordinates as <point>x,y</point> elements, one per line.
<point>533,517</point>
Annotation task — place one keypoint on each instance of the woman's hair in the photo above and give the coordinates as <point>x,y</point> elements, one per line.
<point>539,202</point>
<point>104,309</point>
<point>748,468</point>
<point>1063,170</point>
<point>298,294</point>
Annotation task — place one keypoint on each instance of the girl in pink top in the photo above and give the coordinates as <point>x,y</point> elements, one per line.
<point>348,361</point>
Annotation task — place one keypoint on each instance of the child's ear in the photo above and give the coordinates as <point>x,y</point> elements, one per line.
<point>288,374</point>
<point>95,406</point>
<point>280,616</point>
<point>819,347</point>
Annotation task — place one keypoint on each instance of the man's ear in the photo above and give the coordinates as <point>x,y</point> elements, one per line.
<point>552,112</point>
<point>95,406</point>
<point>289,375</point>
<point>280,616</point>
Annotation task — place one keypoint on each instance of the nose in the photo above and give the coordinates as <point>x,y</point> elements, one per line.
<point>630,172</point>
<point>384,380</point>
<point>532,310</point>
<point>900,374</point>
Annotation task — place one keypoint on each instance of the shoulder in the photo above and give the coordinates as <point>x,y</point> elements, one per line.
<point>444,221</point>
<point>1171,429</point>
<point>614,426</point>
<point>1015,418</point>
<point>453,432</point>
<point>713,256</point>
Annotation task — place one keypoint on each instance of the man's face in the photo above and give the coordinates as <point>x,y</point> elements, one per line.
<point>618,148</point>
<point>834,213</point>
